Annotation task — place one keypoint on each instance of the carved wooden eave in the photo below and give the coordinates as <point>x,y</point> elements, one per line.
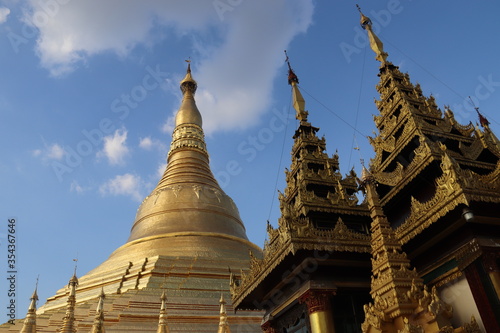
<point>289,238</point>
<point>424,154</point>
<point>454,187</point>
<point>470,146</point>
<point>464,255</point>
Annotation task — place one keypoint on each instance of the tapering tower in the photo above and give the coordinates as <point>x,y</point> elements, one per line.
<point>98,326</point>
<point>439,186</point>
<point>185,236</point>
<point>401,303</point>
<point>162,322</point>
<point>223,324</point>
<point>319,255</point>
<point>68,324</point>
<point>29,324</point>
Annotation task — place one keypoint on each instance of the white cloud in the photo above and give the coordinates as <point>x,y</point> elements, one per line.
<point>234,74</point>
<point>161,170</point>
<point>146,143</point>
<point>115,148</point>
<point>50,152</point>
<point>4,12</point>
<point>55,152</point>
<point>75,187</point>
<point>169,125</point>
<point>127,184</point>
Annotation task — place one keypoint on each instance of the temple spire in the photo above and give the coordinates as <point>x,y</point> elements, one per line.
<point>188,198</point>
<point>375,43</point>
<point>188,130</point>
<point>299,103</point>
<point>162,323</point>
<point>29,325</point>
<point>482,119</point>
<point>98,326</point>
<point>223,324</point>
<point>68,325</point>
<point>400,299</point>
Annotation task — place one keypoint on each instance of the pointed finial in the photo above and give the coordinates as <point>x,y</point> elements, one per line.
<point>299,103</point>
<point>29,324</point>
<point>223,324</point>
<point>375,43</point>
<point>291,74</point>
<point>162,323</point>
<point>482,119</point>
<point>68,325</point>
<point>76,264</point>
<point>98,326</point>
<point>188,84</point>
<point>163,299</point>
<point>34,296</point>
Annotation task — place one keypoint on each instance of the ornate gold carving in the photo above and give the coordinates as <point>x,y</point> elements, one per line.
<point>295,234</point>
<point>468,253</point>
<point>315,300</point>
<point>188,135</point>
<point>472,327</point>
<point>473,150</point>
<point>411,328</point>
<point>449,193</point>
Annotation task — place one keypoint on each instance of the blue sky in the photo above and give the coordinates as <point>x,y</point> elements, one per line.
<point>88,90</point>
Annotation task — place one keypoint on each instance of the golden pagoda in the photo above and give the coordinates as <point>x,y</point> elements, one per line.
<point>186,236</point>
<point>429,224</point>
<point>439,187</point>
<point>315,272</point>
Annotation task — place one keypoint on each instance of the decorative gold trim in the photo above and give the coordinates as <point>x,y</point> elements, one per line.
<point>187,233</point>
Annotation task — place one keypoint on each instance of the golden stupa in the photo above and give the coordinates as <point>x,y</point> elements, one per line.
<point>186,237</point>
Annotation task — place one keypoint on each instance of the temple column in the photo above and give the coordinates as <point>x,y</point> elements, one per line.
<point>473,276</point>
<point>319,309</point>
<point>490,263</point>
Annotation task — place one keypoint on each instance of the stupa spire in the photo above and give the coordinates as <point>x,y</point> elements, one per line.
<point>191,200</point>
<point>299,103</point>
<point>29,325</point>
<point>223,324</point>
<point>68,325</point>
<point>162,323</point>
<point>98,326</point>
<point>375,43</point>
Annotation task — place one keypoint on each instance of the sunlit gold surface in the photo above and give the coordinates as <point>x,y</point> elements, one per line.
<point>321,322</point>
<point>186,236</point>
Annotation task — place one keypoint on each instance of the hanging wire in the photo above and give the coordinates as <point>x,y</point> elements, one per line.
<point>281,160</point>
<point>357,110</point>
<point>332,112</point>
<point>435,77</point>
